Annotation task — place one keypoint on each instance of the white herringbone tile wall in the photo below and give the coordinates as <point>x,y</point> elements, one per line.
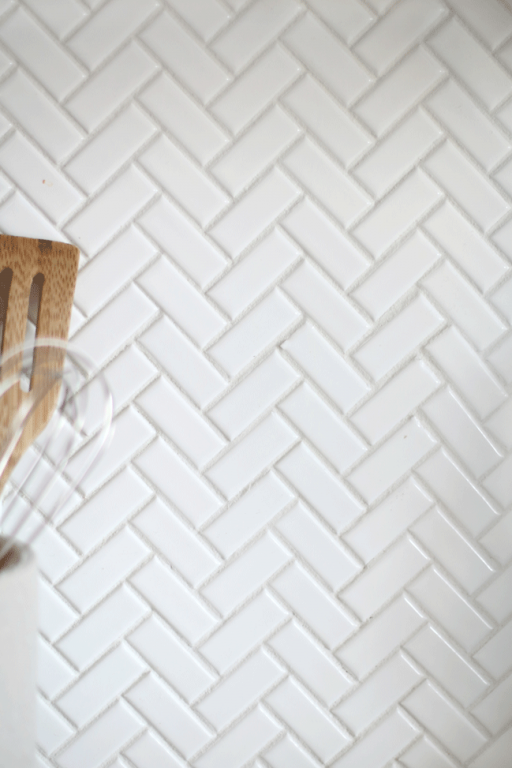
<point>296,225</point>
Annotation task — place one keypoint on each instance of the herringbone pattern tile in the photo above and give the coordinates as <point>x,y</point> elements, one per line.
<point>295,221</point>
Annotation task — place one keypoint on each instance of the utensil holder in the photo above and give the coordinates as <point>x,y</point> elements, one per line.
<point>18,633</point>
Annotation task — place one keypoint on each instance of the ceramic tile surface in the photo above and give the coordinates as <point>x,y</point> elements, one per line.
<point>295,220</point>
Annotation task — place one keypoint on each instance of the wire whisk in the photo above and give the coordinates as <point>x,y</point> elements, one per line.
<point>72,442</point>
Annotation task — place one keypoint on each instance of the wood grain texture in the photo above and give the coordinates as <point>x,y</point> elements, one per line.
<point>58,263</point>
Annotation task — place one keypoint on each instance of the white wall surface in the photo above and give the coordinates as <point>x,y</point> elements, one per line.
<point>295,225</point>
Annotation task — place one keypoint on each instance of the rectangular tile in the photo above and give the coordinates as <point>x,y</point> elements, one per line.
<point>185,57</point>
<point>387,521</point>
<point>106,568</point>
<point>100,685</point>
<point>397,32</point>
<point>194,190</point>
<point>182,301</point>
<point>326,305</point>
<point>264,202</point>
<point>253,395</point>
<point>179,605</point>
<point>478,258</point>
<point>250,33</point>
<point>328,183</point>
<point>425,752</point>
<point>450,608</point>
<point>396,154</point>
<point>248,458</point>
<point>178,483</point>
<point>398,398</point>
<point>493,711</point>
<point>384,578</point>
<point>176,542</point>
<point>103,739</point>
<point>185,426</point>
<point>326,119</point>
<point>132,311</point>
<point>500,358</point>
<point>385,687</point>
<point>39,178</point>
<point>468,372</point>
<point>255,151</point>
<point>445,663</point>
<point>500,422</point>
<point>183,241</point>
<point>398,213</point>
<point>396,275</point>
<point>244,741</point>
<point>465,306</point>
<point>460,430</point>
<point>450,548</point>
<point>255,332</point>
<point>391,460</point>
<point>444,721</point>
<point>256,88</point>
<point>109,87</point>
<point>463,497</point>
<point>247,573</point>
<point>468,185</point>
<point>318,547</point>
<point>61,18</point>
<point>171,658</point>
<point>377,747</point>
<point>320,487</point>
<point>110,149</point>
<point>467,122</point>
<point>496,754</point>
<point>303,716</point>
<point>108,29</point>
<point>56,615</point>
<point>348,19</point>
<point>130,434</point>
<point>102,277</point>
<point>248,515</point>
<point>286,752</point>
<point>309,661</point>
<point>253,275</point>
<point>326,367</point>
<point>236,692</point>
<point>183,361</point>
<point>492,23</point>
<point>42,56</point>
<point>394,95</point>
<point>326,243</point>
<point>323,426</point>
<point>53,130</point>
<point>179,113</point>
<point>244,631</point>
<point>111,211</point>
<point>103,627</point>
<point>206,17</point>
<point>315,605</point>
<point>472,63</point>
<point>324,55</point>
<point>177,722</point>
<point>495,656</point>
<point>496,598</point>
<point>99,516</point>
<point>380,637</point>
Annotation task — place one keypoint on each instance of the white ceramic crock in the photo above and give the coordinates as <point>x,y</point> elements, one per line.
<point>18,632</point>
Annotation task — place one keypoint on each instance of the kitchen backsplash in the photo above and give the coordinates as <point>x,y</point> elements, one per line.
<point>296,234</point>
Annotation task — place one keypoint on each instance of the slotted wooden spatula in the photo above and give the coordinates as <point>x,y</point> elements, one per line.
<point>37,283</point>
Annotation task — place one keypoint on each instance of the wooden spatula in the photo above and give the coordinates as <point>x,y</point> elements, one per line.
<point>37,283</point>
